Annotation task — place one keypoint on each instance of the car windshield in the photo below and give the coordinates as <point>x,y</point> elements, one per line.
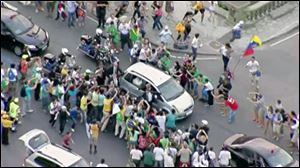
<point>19,24</point>
<point>170,90</point>
<point>279,158</point>
<point>81,163</point>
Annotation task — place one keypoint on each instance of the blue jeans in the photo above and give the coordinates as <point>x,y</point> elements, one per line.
<point>71,19</point>
<point>231,116</point>
<point>195,88</point>
<point>194,50</point>
<point>159,163</point>
<point>157,22</point>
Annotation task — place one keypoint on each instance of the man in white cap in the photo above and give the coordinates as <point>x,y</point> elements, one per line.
<point>236,31</point>
<point>134,54</point>
<point>165,35</point>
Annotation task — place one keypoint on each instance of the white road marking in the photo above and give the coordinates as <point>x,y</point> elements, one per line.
<point>92,19</point>
<point>280,41</point>
<point>200,59</point>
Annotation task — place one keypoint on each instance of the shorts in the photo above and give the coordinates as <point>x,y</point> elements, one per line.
<point>202,11</point>
<point>93,140</point>
<point>276,128</point>
<point>132,142</point>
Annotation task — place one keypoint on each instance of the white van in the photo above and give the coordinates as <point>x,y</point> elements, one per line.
<point>170,93</point>
<point>42,153</point>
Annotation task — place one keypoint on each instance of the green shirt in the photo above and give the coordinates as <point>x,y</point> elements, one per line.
<point>134,136</point>
<point>148,158</point>
<point>171,120</point>
<point>164,142</point>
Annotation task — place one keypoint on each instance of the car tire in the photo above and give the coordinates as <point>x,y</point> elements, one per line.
<point>18,50</point>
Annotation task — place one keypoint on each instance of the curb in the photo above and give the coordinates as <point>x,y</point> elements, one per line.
<point>295,25</point>
<point>186,51</point>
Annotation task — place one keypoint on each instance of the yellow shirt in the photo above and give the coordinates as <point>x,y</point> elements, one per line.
<point>83,103</point>
<point>107,105</point>
<point>199,5</point>
<point>64,71</point>
<point>6,123</point>
<point>94,130</point>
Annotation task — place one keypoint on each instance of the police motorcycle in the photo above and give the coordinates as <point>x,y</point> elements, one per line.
<point>52,65</point>
<point>95,48</point>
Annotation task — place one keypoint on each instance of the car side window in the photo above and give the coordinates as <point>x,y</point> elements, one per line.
<point>128,77</point>
<point>139,83</point>
<point>45,162</point>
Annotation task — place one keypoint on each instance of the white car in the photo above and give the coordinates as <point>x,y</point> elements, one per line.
<point>43,153</point>
<point>170,95</point>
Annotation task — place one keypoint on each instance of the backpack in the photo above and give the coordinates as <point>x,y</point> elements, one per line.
<point>11,75</point>
<point>23,91</point>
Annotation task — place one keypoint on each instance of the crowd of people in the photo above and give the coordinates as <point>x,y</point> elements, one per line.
<point>94,98</point>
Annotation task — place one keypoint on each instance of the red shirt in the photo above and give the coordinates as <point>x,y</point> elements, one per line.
<point>231,103</point>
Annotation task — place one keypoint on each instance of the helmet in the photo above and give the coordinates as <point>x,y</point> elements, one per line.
<point>204,122</point>
<point>16,100</point>
<point>99,31</point>
<point>88,71</point>
<point>64,51</point>
<point>63,108</point>
<point>25,56</point>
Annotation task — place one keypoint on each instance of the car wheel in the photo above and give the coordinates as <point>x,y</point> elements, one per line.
<point>18,50</point>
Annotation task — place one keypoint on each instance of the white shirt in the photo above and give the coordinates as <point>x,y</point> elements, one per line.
<point>224,51</point>
<point>102,165</point>
<point>14,71</point>
<point>209,86</point>
<point>203,162</point>
<point>158,154</point>
<point>142,55</point>
<point>195,159</point>
<point>140,120</point>
<point>168,160</point>
<point>136,154</point>
<point>2,74</point>
<point>134,51</point>
<point>196,42</point>
<point>161,122</point>
<point>110,19</point>
<point>212,155</point>
<point>253,66</point>
<point>165,35</point>
<point>124,28</point>
<point>224,157</point>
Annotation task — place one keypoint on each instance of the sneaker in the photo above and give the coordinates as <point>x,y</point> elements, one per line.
<point>206,105</point>
<point>72,130</point>
<point>36,11</point>
<point>30,111</point>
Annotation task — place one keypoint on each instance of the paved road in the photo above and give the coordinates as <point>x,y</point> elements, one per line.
<point>280,80</point>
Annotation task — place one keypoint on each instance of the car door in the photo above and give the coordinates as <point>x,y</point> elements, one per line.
<point>238,158</point>
<point>34,140</point>
<point>132,84</point>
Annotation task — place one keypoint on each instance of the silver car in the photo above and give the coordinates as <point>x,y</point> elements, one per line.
<point>170,95</point>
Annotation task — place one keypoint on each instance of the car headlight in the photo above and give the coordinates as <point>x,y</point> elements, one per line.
<point>31,47</point>
<point>176,109</point>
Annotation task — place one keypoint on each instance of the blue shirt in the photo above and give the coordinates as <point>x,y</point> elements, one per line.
<point>71,6</point>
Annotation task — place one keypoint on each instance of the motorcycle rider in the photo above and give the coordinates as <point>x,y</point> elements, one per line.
<point>62,56</point>
<point>99,36</point>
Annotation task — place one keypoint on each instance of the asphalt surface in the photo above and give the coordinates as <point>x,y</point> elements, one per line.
<point>280,80</point>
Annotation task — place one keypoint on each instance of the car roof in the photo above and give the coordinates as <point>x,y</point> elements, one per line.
<point>7,13</point>
<point>156,76</point>
<point>60,154</point>
<point>261,146</point>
